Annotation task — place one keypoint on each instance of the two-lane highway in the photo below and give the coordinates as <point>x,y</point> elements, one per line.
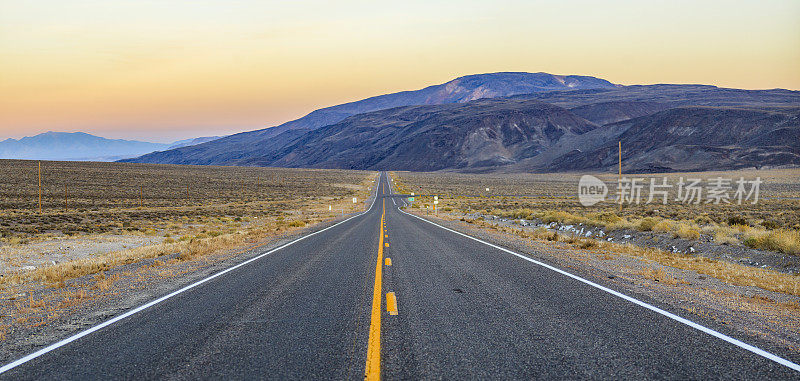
<point>388,294</point>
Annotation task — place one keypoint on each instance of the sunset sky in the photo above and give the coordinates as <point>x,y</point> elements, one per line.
<point>167,69</point>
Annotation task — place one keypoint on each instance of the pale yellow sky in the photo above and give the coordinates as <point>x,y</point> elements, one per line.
<point>167,69</point>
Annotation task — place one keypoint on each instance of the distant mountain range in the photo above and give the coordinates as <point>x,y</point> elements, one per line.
<point>526,122</point>
<point>247,147</point>
<point>82,146</point>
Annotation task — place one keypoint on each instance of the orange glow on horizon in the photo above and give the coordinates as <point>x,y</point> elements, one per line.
<point>178,69</point>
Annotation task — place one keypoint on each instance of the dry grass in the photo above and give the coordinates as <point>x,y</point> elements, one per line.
<point>104,197</point>
<point>733,273</point>
<point>772,224</point>
<point>659,275</point>
<point>785,241</point>
<point>228,206</point>
<point>187,249</point>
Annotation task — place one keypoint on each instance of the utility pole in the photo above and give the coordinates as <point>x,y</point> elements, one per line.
<point>40,187</point>
<point>619,177</point>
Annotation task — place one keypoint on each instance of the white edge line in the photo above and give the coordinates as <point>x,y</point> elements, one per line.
<point>650,307</point>
<point>106,323</point>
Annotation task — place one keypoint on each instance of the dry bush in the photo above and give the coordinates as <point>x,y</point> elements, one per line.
<point>725,239</point>
<point>647,224</point>
<point>104,283</point>
<point>686,231</point>
<point>784,241</point>
<point>587,243</point>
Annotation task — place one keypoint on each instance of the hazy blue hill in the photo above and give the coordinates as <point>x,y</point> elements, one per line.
<point>82,146</point>
<point>73,146</point>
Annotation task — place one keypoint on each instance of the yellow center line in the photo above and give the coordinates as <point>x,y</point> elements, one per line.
<point>391,303</point>
<point>373,368</point>
<point>388,261</point>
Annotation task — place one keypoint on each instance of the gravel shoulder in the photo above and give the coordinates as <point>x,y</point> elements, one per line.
<point>703,246</point>
<point>29,256</point>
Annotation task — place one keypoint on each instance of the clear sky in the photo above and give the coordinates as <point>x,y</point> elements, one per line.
<point>166,69</point>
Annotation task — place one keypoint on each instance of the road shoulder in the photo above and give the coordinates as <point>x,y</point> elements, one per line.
<point>768,317</point>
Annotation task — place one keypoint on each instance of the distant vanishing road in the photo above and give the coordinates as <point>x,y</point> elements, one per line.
<point>386,294</point>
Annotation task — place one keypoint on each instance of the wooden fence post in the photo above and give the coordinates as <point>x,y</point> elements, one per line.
<point>619,177</point>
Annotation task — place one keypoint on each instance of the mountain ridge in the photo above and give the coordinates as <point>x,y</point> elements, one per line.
<point>458,90</point>
<point>488,123</point>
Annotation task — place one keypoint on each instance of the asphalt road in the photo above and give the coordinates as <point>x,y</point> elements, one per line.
<point>317,309</point>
